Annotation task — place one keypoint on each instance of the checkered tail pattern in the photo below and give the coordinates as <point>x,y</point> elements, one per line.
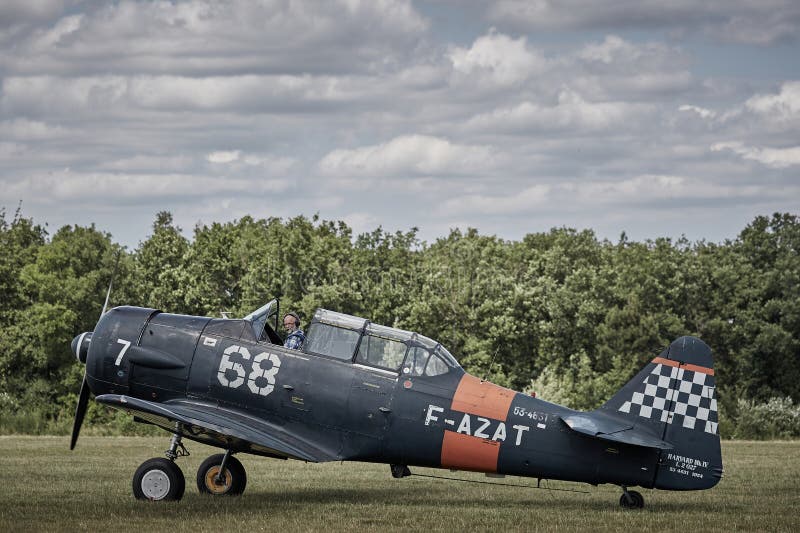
<point>676,396</point>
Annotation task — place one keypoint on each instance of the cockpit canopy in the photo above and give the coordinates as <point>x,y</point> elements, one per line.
<point>351,338</point>
<point>356,339</point>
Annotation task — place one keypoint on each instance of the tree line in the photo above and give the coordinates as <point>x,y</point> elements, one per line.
<point>562,313</point>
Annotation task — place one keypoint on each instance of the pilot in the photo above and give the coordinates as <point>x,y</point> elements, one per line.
<point>291,322</point>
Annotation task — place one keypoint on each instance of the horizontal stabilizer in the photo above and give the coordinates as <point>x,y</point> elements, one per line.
<point>606,428</point>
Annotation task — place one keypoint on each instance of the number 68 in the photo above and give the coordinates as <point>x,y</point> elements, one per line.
<point>256,372</point>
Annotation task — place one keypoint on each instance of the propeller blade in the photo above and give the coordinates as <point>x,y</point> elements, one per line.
<point>80,412</point>
<point>111,284</point>
<point>77,343</point>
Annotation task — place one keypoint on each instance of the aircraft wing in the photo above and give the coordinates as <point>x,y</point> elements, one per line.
<point>220,426</point>
<point>608,428</point>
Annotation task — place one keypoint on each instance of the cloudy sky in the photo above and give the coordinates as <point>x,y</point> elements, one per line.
<point>651,117</point>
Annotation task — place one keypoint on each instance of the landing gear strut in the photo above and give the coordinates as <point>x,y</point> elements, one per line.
<point>631,499</point>
<point>160,479</point>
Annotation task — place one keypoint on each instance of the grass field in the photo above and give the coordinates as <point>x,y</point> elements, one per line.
<point>45,487</point>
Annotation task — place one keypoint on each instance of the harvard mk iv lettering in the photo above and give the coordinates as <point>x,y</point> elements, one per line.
<point>359,391</point>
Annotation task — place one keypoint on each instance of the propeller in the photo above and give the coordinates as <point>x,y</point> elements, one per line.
<point>80,347</point>
<point>80,412</point>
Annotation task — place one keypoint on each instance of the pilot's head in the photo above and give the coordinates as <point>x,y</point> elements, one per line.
<point>291,322</point>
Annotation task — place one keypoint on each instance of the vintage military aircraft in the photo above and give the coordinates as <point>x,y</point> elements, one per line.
<point>359,391</point>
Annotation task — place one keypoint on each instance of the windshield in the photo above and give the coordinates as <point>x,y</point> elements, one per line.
<point>444,354</point>
<point>259,318</point>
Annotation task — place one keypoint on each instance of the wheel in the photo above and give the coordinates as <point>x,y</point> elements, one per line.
<point>158,479</point>
<point>636,500</point>
<point>399,471</point>
<point>233,482</point>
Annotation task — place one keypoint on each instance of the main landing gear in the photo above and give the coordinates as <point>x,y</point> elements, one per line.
<point>210,478</point>
<point>631,499</point>
<point>399,471</point>
<point>160,479</point>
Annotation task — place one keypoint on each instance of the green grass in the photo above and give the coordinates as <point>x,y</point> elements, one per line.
<point>45,487</point>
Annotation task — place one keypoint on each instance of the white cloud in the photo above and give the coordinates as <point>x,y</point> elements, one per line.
<point>504,60</point>
<point>759,23</point>
<point>700,111</point>
<point>58,35</point>
<point>618,69</point>
<point>50,95</point>
<point>783,106</point>
<point>571,111</point>
<point>224,156</point>
<point>638,188</point>
<point>511,203</point>
<point>644,190</point>
<point>30,130</point>
<point>14,12</point>
<point>12,150</point>
<point>770,157</point>
<point>235,161</point>
<point>227,93</point>
<point>206,37</point>
<point>380,116</point>
<point>86,188</point>
<point>597,196</point>
<point>149,164</point>
<point>742,21</point>
<point>612,49</point>
<point>408,156</point>
<point>275,165</point>
<point>55,95</point>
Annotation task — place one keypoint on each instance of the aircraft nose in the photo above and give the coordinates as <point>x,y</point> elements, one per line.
<point>80,346</point>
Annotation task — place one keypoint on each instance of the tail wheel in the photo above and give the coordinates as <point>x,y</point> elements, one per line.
<point>231,483</point>
<point>158,479</point>
<point>631,500</point>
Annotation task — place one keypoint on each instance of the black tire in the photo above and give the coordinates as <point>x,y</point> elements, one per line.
<point>234,482</point>
<point>636,500</point>
<point>158,479</point>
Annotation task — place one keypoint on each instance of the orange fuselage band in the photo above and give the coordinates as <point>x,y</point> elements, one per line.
<point>478,398</point>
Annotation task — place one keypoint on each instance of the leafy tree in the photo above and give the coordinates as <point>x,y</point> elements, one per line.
<point>160,267</point>
<point>766,314</point>
<point>64,289</point>
<point>573,315</point>
<point>214,270</point>
<point>20,241</point>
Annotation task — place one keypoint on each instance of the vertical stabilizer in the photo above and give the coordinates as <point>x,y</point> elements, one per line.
<point>674,398</point>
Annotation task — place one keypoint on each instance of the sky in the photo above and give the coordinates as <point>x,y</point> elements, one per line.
<point>655,118</point>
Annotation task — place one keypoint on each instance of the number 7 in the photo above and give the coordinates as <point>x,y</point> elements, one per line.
<point>125,346</point>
